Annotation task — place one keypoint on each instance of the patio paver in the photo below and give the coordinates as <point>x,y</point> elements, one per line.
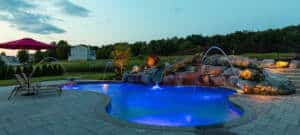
<point>75,113</point>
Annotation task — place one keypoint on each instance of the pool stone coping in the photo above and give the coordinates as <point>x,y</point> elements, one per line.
<point>249,114</point>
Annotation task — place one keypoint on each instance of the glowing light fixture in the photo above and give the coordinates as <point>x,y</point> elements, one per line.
<point>105,88</point>
<point>246,74</point>
<point>282,64</point>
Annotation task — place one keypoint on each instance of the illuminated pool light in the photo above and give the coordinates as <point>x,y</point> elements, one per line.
<point>105,88</point>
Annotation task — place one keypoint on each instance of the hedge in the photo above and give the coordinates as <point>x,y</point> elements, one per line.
<point>7,72</point>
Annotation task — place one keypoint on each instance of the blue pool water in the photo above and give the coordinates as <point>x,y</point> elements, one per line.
<point>167,105</point>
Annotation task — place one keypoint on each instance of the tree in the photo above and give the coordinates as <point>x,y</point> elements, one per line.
<point>137,48</point>
<point>272,40</point>
<point>62,50</point>
<point>38,56</point>
<point>3,54</point>
<point>38,71</point>
<point>52,52</point>
<point>121,55</point>
<point>19,70</point>
<point>2,69</point>
<point>23,56</point>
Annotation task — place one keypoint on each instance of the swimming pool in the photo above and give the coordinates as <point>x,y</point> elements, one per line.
<point>167,105</point>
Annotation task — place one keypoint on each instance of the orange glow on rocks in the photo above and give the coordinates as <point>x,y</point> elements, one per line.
<point>282,64</point>
<point>152,61</point>
<point>246,74</point>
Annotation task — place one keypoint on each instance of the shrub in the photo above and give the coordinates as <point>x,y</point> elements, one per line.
<point>38,71</point>
<point>121,55</point>
<point>27,69</point>
<point>2,68</point>
<point>50,69</point>
<point>23,56</point>
<point>84,66</point>
<point>38,56</point>
<point>61,69</point>
<point>45,70</point>
<point>19,70</point>
<point>10,71</point>
<point>2,72</point>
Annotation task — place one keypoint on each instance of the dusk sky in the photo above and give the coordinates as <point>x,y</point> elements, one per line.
<point>99,22</point>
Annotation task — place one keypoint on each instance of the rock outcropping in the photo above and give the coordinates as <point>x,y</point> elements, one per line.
<point>218,71</point>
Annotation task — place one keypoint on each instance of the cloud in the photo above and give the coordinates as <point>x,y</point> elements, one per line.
<point>11,5</point>
<point>20,14</point>
<point>72,9</point>
<point>33,23</point>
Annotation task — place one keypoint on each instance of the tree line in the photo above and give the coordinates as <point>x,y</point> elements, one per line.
<point>272,40</point>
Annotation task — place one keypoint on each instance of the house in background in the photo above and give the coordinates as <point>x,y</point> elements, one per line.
<point>10,60</point>
<point>82,52</point>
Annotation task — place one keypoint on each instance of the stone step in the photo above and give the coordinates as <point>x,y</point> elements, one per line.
<point>296,82</point>
<point>287,73</point>
<point>290,73</point>
<point>294,78</point>
<point>285,70</point>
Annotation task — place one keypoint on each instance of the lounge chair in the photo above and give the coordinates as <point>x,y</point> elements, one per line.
<point>22,86</point>
<point>38,87</point>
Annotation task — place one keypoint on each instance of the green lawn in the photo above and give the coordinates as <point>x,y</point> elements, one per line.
<point>83,76</point>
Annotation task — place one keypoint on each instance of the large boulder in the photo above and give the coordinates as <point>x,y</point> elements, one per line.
<point>169,80</point>
<point>218,80</point>
<point>236,61</point>
<point>217,71</point>
<point>279,82</point>
<point>217,60</point>
<point>211,70</point>
<point>231,72</point>
<point>146,79</point>
<point>294,64</point>
<point>239,61</point>
<point>246,86</point>
<point>187,78</point>
<point>267,63</point>
<point>232,81</point>
<point>251,74</point>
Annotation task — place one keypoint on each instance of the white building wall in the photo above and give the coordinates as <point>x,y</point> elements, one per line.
<point>82,53</point>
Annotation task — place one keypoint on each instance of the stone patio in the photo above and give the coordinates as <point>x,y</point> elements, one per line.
<point>77,113</point>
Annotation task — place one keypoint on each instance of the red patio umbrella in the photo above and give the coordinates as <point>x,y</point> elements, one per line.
<point>26,44</point>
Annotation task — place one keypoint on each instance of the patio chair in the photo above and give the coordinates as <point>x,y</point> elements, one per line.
<point>21,87</point>
<point>38,87</point>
